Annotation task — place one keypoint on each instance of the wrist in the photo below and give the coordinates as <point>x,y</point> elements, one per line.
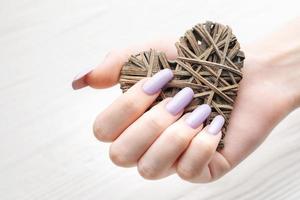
<point>277,67</point>
<point>279,55</point>
<point>286,63</point>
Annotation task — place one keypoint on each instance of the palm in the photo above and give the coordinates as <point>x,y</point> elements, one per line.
<point>259,106</point>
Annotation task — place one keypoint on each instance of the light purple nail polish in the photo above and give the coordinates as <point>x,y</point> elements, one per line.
<point>180,100</point>
<point>157,81</point>
<point>216,125</point>
<point>78,81</point>
<point>198,116</point>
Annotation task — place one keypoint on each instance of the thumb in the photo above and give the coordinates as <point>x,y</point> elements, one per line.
<point>104,75</point>
<point>107,73</point>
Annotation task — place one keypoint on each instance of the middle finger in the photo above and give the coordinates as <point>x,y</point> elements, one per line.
<point>138,137</point>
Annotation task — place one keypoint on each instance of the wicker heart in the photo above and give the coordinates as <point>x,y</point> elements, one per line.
<point>209,61</point>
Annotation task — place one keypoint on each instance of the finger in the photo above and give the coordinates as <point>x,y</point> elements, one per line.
<point>107,73</point>
<point>164,152</point>
<point>127,108</point>
<point>194,162</point>
<point>138,137</point>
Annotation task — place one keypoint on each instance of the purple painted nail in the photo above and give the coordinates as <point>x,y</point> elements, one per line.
<point>79,82</point>
<point>216,125</point>
<point>197,117</point>
<point>180,100</point>
<point>157,81</point>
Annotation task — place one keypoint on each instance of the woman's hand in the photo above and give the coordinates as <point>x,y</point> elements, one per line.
<point>161,141</point>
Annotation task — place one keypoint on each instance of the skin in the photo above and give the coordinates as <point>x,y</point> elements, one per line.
<point>161,144</point>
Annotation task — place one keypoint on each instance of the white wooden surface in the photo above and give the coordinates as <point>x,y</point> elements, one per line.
<point>47,149</point>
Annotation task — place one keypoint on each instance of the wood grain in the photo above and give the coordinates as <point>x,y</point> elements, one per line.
<point>47,149</point>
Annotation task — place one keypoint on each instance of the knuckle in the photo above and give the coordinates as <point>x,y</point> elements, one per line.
<point>206,147</point>
<point>185,173</point>
<point>100,134</point>
<point>147,171</point>
<point>118,157</point>
<point>130,106</point>
<point>154,123</point>
<point>178,139</point>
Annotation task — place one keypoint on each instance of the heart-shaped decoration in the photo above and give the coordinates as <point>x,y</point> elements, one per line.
<point>209,61</point>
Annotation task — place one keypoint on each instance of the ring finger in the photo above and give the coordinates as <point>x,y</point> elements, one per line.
<point>161,156</point>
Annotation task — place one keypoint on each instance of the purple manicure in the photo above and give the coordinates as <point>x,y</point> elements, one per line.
<point>216,125</point>
<point>180,100</point>
<point>198,116</point>
<point>79,82</point>
<point>157,81</point>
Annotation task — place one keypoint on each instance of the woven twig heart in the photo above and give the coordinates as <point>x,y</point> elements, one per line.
<point>209,61</point>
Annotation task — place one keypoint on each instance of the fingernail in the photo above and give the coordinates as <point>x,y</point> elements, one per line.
<point>157,81</point>
<point>216,125</point>
<point>198,116</point>
<point>180,100</point>
<point>78,81</point>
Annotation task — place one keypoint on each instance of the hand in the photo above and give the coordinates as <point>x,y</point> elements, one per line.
<point>161,142</point>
